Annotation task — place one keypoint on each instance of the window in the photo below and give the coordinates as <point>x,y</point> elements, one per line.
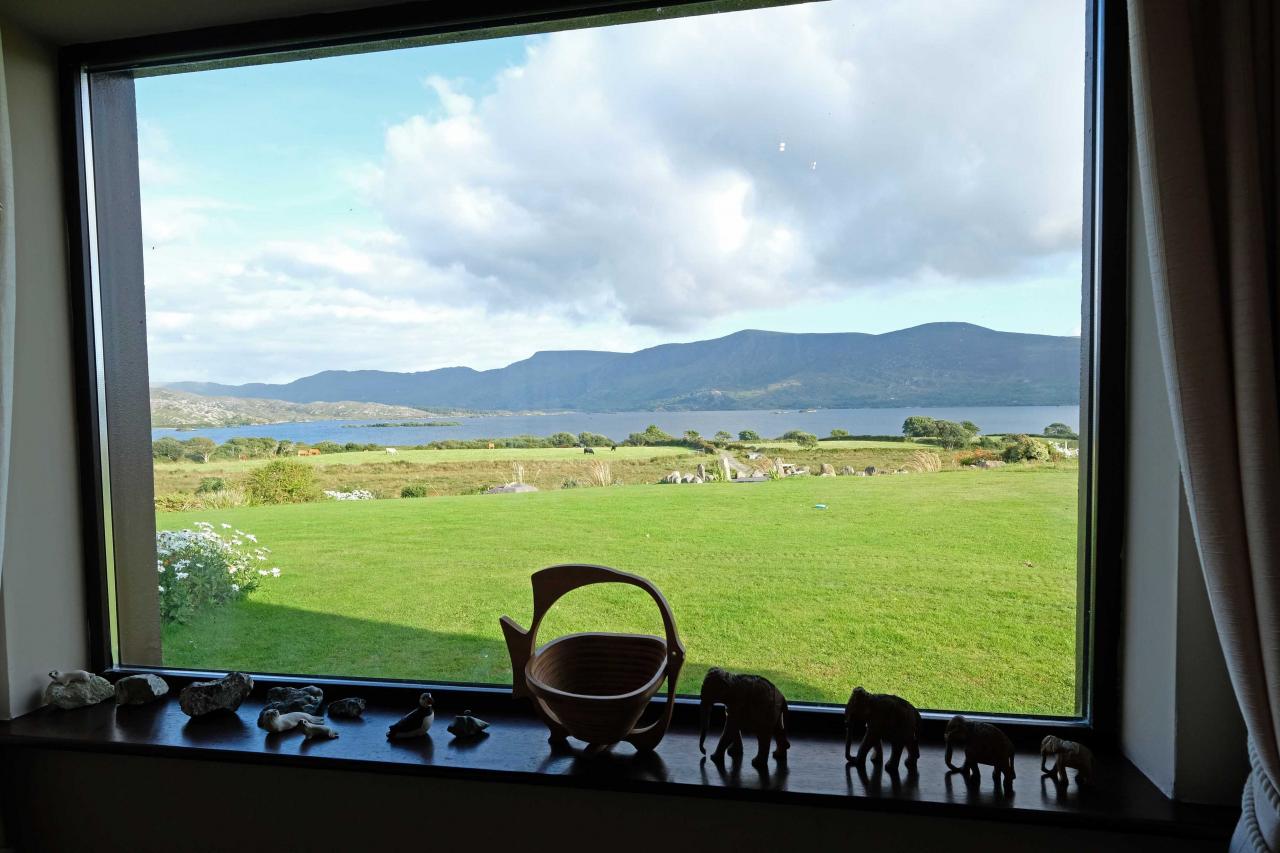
<point>777,306</point>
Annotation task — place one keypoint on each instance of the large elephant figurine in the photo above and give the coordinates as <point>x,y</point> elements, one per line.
<point>753,706</point>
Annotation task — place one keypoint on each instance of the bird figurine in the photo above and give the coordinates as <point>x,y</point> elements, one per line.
<point>416,722</point>
<point>311,730</point>
<point>467,726</point>
<point>273,721</point>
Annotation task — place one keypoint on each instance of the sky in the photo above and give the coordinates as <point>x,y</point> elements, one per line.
<point>830,167</point>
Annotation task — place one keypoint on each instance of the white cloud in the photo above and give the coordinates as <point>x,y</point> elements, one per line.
<point>644,168</point>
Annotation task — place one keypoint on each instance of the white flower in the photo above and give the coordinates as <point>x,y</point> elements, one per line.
<point>275,572</point>
<point>232,569</point>
<point>235,587</point>
<point>161,589</point>
<point>261,556</point>
<point>263,572</point>
<point>160,567</point>
<point>183,576</point>
<point>226,526</point>
<point>250,537</point>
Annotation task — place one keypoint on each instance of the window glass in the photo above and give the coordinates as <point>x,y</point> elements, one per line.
<point>778,308</point>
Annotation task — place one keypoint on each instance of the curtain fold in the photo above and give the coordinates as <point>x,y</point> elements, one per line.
<point>8,297</point>
<point>1205,89</point>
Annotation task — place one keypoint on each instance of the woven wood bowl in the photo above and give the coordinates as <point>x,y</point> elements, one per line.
<point>594,686</point>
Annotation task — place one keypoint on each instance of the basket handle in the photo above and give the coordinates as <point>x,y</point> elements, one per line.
<point>553,583</point>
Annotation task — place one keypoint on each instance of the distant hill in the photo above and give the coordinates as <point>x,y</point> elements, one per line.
<point>937,364</point>
<point>175,408</point>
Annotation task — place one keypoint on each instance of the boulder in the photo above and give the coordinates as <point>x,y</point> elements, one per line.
<point>827,470</point>
<point>287,699</point>
<point>347,709</point>
<point>79,694</point>
<point>673,477</point>
<point>508,488</point>
<point>206,697</point>
<point>847,471</point>
<point>988,463</point>
<point>688,478</point>
<point>140,689</point>
<point>870,470</point>
<point>702,473</point>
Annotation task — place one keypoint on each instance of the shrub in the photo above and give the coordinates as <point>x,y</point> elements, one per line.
<point>1023,448</point>
<point>594,439</point>
<point>722,437</point>
<point>211,484</point>
<point>202,567</point>
<point>327,447</point>
<point>800,437</point>
<point>951,434</point>
<point>839,433</point>
<point>175,502</point>
<point>748,435</point>
<point>973,457</point>
<point>283,481</point>
<point>415,490</point>
<point>570,483</point>
<point>563,439</point>
<point>1060,430</point>
<point>168,449</point>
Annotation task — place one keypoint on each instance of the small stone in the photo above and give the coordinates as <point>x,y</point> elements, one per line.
<point>140,689</point>
<point>347,709</point>
<point>288,699</point>
<point>206,697</point>
<point>79,694</point>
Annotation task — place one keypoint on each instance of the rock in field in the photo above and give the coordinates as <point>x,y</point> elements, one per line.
<point>206,697</point>
<point>827,470</point>
<point>847,471</point>
<point>347,709</point>
<point>140,689</point>
<point>79,694</point>
<point>673,477</point>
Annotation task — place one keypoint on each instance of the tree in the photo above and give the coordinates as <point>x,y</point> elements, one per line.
<point>200,449</point>
<point>692,436</point>
<point>594,439</point>
<point>839,433</point>
<point>971,428</point>
<point>800,437</point>
<point>951,434</point>
<point>748,435</point>
<point>919,426</point>
<point>168,448</point>
<point>723,437</point>
<point>1060,430</point>
<point>563,439</point>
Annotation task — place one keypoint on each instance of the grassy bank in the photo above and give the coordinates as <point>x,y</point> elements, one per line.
<point>955,589</point>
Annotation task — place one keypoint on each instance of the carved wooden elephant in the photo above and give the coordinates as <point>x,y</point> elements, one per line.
<point>983,743</point>
<point>753,706</point>
<point>887,717</point>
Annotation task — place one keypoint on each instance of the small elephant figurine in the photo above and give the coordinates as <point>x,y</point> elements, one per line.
<point>983,743</point>
<point>1067,753</point>
<point>754,707</point>
<point>886,717</point>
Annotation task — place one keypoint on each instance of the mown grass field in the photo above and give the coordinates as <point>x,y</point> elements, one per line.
<point>955,589</point>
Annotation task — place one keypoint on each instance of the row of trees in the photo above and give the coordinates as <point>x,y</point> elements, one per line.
<point>205,450</point>
<point>947,434</point>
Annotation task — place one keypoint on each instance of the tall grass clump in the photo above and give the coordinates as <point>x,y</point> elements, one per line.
<point>599,474</point>
<point>923,461</point>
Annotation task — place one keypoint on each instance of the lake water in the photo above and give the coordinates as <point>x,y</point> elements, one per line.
<point>618,425</point>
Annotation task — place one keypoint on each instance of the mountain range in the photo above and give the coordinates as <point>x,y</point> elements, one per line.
<point>936,364</point>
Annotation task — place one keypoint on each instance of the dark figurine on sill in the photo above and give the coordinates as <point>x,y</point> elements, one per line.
<point>416,723</point>
<point>753,706</point>
<point>982,743</point>
<point>1066,753</point>
<point>886,718</point>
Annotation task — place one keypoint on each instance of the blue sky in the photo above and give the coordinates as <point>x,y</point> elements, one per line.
<point>847,166</point>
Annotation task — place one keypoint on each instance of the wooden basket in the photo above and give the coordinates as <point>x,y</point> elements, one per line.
<point>594,686</point>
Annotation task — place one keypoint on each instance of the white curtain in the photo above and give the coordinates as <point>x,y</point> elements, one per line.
<point>8,291</point>
<point>1206,84</point>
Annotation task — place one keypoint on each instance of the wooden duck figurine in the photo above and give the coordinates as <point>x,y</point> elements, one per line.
<point>416,722</point>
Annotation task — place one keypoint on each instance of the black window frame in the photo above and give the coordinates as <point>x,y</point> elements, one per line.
<point>100,172</point>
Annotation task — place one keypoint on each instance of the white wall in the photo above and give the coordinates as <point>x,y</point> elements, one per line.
<point>41,587</point>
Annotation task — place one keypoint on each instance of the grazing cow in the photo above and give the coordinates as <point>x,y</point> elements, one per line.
<point>613,447</point>
<point>588,450</point>
<point>391,450</point>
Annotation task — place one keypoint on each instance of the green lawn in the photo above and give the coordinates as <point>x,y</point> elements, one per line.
<point>954,589</point>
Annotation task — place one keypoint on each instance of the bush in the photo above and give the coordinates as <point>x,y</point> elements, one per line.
<point>283,481</point>
<point>176,502</point>
<point>211,484</point>
<point>1060,430</point>
<point>722,437</point>
<point>594,439</point>
<point>201,567</point>
<point>952,435</point>
<point>800,437</point>
<point>1023,448</point>
<point>748,435</point>
<point>973,457</point>
<point>839,433</point>
<point>167,449</point>
<point>563,439</point>
<point>327,447</point>
<point>416,490</point>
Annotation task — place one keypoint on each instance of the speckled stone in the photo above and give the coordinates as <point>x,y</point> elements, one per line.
<point>79,694</point>
<point>140,689</point>
<point>206,697</point>
<point>346,709</point>
<point>289,699</point>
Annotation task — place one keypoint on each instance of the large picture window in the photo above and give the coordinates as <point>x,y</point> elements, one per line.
<point>779,307</point>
